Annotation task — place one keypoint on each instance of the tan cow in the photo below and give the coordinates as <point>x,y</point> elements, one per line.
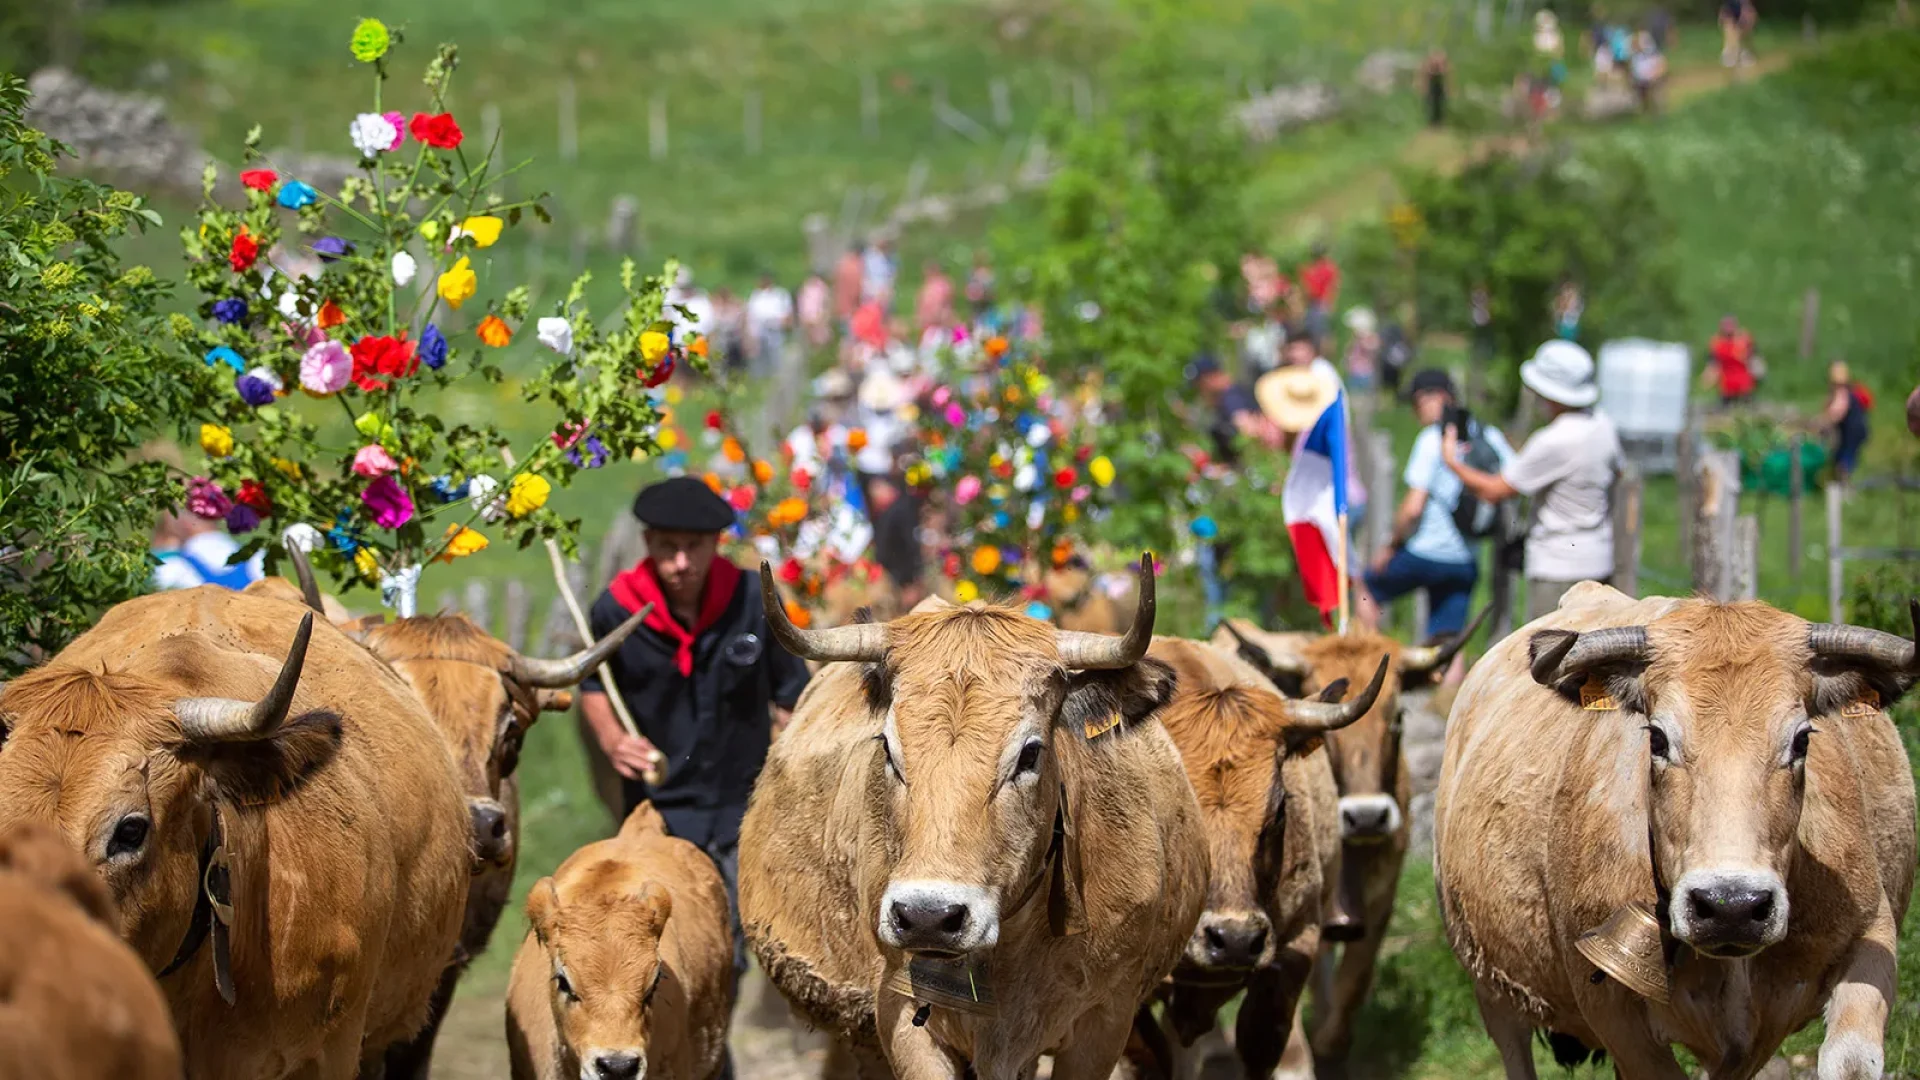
<point>1375,789</point>
<point>627,970</point>
<point>974,844</point>
<point>74,1000</point>
<point>217,757</point>
<point>1266,792</point>
<point>1728,768</point>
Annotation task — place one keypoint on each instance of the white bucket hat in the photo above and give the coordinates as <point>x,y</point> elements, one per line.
<point>1561,372</point>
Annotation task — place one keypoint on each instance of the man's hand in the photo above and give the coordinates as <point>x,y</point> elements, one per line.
<point>633,757</point>
<point>1450,445</point>
<point>1381,558</point>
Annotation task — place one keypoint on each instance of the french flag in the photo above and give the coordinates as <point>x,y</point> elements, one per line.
<point>1314,505</point>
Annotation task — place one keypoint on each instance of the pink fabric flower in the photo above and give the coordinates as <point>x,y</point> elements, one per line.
<point>399,123</point>
<point>388,502</point>
<point>942,395</point>
<point>955,414</point>
<point>374,461</point>
<point>325,368</point>
<point>966,490</point>
<point>1081,493</point>
<point>206,499</point>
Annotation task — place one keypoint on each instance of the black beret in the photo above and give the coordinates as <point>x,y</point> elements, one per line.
<point>682,504</point>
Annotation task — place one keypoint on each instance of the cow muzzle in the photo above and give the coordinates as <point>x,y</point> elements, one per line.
<point>1729,914</point>
<point>939,918</point>
<point>613,1065</point>
<point>492,839</point>
<point>1238,941</point>
<point>1368,818</point>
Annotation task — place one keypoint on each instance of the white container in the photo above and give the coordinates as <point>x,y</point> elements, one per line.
<point>1643,390</point>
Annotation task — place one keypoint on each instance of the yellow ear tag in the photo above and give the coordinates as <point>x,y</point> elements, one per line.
<point>1096,728</point>
<point>1594,697</point>
<point>1867,704</point>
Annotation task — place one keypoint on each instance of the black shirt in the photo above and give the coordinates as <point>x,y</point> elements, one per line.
<point>713,727</point>
<point>1234,400</point>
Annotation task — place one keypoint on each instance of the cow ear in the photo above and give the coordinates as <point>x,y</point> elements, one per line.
<point>261,771</point>
<point>1098,702</point>
<point>656,906</point>
<point>543,908</point>
<point>39,854</point>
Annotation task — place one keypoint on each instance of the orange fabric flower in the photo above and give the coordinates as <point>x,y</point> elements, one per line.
<point>798,615</point>
<point>762,473</point>
<point>789,511</point>
<point>1061,553</point>
<point>733,451</point>
<point>857,440</point>
<point>714,483</point>
<point>330,315</point>
<point>494,332</point>
<point>996,346</point>
<point>699,347</point>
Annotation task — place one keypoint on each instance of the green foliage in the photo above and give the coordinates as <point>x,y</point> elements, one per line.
<point>87,374</point>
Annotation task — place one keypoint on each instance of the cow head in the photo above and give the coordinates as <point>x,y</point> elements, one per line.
<point>1234,738</point>
<point>1366,756</point>
<point>604,949</point>
<point>130,772</point>
<point>1731,699</point>
<point>989,753</point>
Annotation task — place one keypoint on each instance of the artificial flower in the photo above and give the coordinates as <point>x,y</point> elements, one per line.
<point>399,123</point>
<point>1039,610</point>
<point>230,310</point>
<point>596,453</point>
<point>790,570</point>
<point>403,269</point>
<point>437,130</point>
<point>802,479</point>
<point>258,179</point>
<point>484,228</point>
<point>798,615</point>
<point>1101,469</point>
<point>857,440</point>
<point>461,542</point>
<point>762,472</point>
<point>1082,493</point>
<point>325,368</point>
<point>388,502</point>
<point>329,315</point>
<point>365,562</point>
<point>996,346</point>
<point>258,387</point>
<point>986,559</point>
<point>244,251</point>
<point>956,416</point>
<point>733,451</point>
<point>430,229</point>
<point>254,496</point>
<point>654,345</point>
<point>300,535</point>
<point>332,248</point>
<point>527,493</point>
<point>370,40</point>
<point>206,499</point>
<point>433,347</point>
<point>216,440</point>
<point>714,421</point>
<point>494,332</point>
<point>288,469</point>
<point>458,284</point>
<point>379,359</point>
<point>789,511</point>
<point>741,498</point>
<point>295,194</point>
<point>967,490</point>
<point>1062,552</point>
<point>1026,479</point>
<point>481,493</point>
<point>555,333</point>
<point>242,519</point>
<point>370,425</point>
<point>668,439</point>
<point>1064,478</point>
<point>1205,528</point>
<point>713,481</point>
<point>373,460</point>
<point>966,592</point>
<point>660,373</point>
<point>699,346</point>
<point>373,133</point>
<point>289,305</point>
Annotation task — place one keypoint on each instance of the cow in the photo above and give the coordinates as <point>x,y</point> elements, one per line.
<point>74,999</point>
<point>627,969</point>
<point>975,844</point>
<point>1375,790</point>
<point>1266,792</point>
<point>1725,771</point>
<point>278,821</point>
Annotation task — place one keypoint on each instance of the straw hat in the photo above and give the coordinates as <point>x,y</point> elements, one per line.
<point>881,391</point>
<point>1294,397</point>
<point>1561,372</point>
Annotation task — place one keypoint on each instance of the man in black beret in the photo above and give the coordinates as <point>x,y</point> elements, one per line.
<point>702,677</point>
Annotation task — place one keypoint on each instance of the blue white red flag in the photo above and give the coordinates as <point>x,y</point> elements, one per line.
<point>1314,502</point>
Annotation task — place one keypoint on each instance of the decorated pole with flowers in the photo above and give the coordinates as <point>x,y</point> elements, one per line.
<point>391,308</point>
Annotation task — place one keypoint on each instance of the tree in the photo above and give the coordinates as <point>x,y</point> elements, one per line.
<point>88,372</point>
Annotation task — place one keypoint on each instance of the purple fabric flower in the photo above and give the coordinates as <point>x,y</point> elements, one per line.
<point>257,387</point>
<point>231,310</point>
<point>433,347</point>
<point>330,248</point>
<point>242,519</point>
<point>205,499</point>
<point>597,453</point>
<point>388,502</point>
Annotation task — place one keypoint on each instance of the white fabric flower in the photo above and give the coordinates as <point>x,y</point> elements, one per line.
<point>1036,515</point>
<point>290,304</point>
<point>372,133</point>
<point>481,492</point>
<point>556,334</point>
<point>1026,478</point>
<point>403,268</point>
<point>301,535</point>
<point>1038,435</point>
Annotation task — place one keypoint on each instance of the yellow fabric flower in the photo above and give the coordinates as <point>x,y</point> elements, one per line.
<point>430,229</point>
<point>1071,514</point>
<point>462,541</point>
<point>1101,469</point>
<point>653,345</point>
<point>668,439</point>
<point>217,441</point>
<point>364,561</point>
<point>289,469</point>
<point>458,284</point>
<point>527,493</point>
<point>986,559</point>
<point>494,332</point>
<point>674,394</point>
<point>484,228</point>
<point>370,40</point>
<point>966,592</point>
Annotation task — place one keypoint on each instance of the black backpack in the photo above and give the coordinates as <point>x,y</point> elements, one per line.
<point>1475,518</point>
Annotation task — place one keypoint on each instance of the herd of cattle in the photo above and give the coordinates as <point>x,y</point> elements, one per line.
<point>240,842</point>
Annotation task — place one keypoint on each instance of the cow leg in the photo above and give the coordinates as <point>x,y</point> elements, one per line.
<point>1097,1051</point>
<point>1265,1023</point>
<point>911,1051</point>
<point>1354,976</point>
<point>410,1060</point>
<point>1854,1048</point>
<point>1512,1034</point>
<point>1297,1062</point>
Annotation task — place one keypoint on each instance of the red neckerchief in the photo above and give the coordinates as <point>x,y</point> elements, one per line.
<point>640,586</point>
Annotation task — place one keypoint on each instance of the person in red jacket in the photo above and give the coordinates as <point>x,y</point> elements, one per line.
<point>1732,353</point>
<point>1320,279</point>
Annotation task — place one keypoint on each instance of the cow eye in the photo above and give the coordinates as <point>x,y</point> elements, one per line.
<point>1029,762</point>
<point>561,984</point>
<point>1657,742</point>
<point>893,767</point>
<point>1797,753</point>
<point>129,836</point>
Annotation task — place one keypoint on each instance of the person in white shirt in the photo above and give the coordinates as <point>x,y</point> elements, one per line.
<point>769,315</point>
<point>1567,468</point>
<point>699,317</point>
<point>194,552</point>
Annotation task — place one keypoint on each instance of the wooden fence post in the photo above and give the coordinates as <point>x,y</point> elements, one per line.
<point>1381,500</point>
<point>1743,571</point>
<point>1002,103</point>
<point>1686,481</point>
<point>569,122</point>
<point>657,127</point>
<point>1796,498</point>
<point>750,120</point>
<point>869,105</point>
<point>446,604</point>
<point>1627,489</point>
<point>478,604</point>
<point>518,609</point>
<point>1836,564</point>
<point>1713,530</point>
<point>1809,323</point>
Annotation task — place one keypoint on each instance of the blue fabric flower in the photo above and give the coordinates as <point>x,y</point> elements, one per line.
<point>446,490</point>
<point>597,455</point>
<point>221,354</point>
<point>254,390</point>
<point>242,519</point>
<point>341,537</point>
<point>1204,528</point>
<point>295,194</point>
<point>1038,610</point>
<point>231,310</point>
<point>330,248</point>
<point>433,347</point>
<point>1010,555</point>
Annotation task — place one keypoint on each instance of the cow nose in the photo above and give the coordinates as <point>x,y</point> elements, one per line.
<point>617,1066</point>
<point>1733,911</point>
<point>1236,943</point>
<point>490,836</point>
<point>1364,820</point>
<point>929,918</point>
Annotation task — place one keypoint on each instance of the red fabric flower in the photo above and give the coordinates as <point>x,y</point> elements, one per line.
<point>790,570</point>
<point>1081,455</point>
<point>950,566</point>
<point>713,420</point>
<point>376,360</point>
<point>1004,470</point>
<point>330,315</point>
<point>245,250</point>
<point>741,498</point>
<point>802,479</point>
<point>436,130</point>
<point>1065,477</point>
<point>659,374</point>
<point>254,497</point>
<point>259,179</point>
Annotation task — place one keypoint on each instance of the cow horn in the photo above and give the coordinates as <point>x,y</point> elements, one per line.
<point>1838,641</point>
<point>1282,664</point>
<point>1328,716</point>
<point>1082,651</point>
<point>1557,654</point>
<point>855,643</point>
<point>569,670</point>
<point>1426,659</point>
<point>215,720</point>
<point>303,570</point>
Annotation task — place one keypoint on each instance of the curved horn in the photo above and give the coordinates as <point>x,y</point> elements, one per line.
<point>1082,651</point>
<point>216,720</point>
<point>303,570</point>
<point>1255,653</point>
<point>1427,659</point>
<point>1327,716</point>
<point>855,643</point>
<point>1557,654</point>
<point>569,670</point>
<point>1838,641</point>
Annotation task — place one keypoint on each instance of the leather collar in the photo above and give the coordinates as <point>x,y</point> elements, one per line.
<point>212,911</point>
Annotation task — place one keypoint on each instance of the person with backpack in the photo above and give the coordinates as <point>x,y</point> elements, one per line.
<point>192,551</point>
<point>1438,524</point>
